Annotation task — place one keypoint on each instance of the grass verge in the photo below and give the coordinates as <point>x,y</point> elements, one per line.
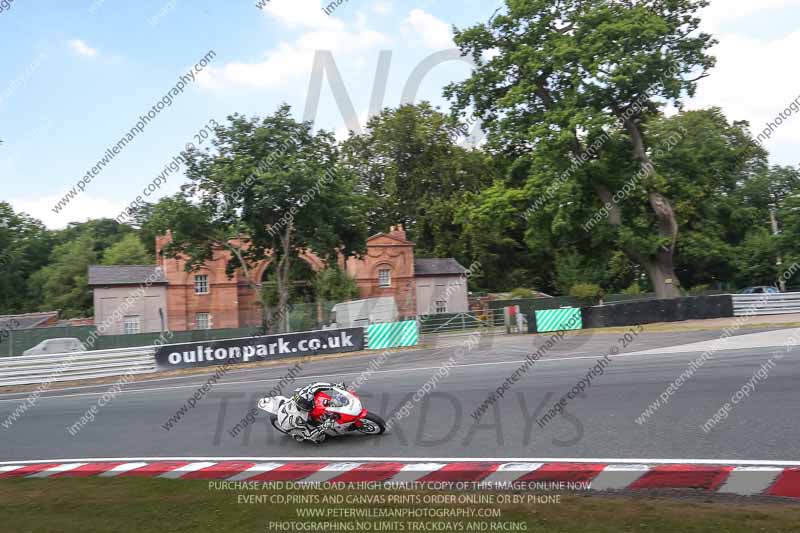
<point>136,504</point>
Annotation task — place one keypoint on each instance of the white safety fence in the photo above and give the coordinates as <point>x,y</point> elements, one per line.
<point>766,304</point>
<point>32,369</point>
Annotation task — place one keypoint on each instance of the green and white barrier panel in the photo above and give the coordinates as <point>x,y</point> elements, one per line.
<point>565,318</point>
<point>392,335</point>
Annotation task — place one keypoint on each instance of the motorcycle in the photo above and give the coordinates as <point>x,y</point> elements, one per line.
<point>336,411</point>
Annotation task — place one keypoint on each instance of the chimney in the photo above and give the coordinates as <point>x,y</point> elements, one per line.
<point>398,232</point>
<point>161,242</point>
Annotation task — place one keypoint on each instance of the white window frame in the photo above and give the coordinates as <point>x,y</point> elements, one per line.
<point>201,285</point>
<point>197,322</point>
<point>440,306</point>
<point>135,320</point>
<point>388,282</point>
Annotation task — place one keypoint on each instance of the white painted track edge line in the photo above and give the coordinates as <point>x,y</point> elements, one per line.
<point>334,374</point>
<point>731,462</point>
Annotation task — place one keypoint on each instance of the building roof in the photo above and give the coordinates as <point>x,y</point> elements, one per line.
<point>394,237</point>
<point>26,321</point>
<point>438,267</point>
<point>125,275</point>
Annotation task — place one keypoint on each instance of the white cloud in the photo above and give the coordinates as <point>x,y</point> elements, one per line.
<point>81,48</point>
<point>303,13</point>
<point>289,62</point>
<point>753,81</point>
<point>720,12</point>
<point>381,7</point>
<point>80,209</point>
<point>434,33</point>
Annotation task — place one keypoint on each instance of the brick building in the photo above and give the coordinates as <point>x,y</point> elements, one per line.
<point>208,299</point>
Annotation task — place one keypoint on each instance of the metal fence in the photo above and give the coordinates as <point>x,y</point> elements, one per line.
<point>766,304</point>
<point>301,316</point>
<point>43,369</point>
<point>442,326</point>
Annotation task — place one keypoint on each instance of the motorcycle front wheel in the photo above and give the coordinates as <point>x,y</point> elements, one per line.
<point>372,424</point>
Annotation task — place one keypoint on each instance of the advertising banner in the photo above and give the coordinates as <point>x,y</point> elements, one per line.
<point>265,348</point>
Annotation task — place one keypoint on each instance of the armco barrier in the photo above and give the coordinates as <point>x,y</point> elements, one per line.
<point>766,304</point>
<point>566,318</point>
<point>43,369</point>
<point>53,368</point>
<point>392,335</point>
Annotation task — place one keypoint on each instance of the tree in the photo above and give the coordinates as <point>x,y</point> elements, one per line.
<point>271,189</point>
<point>128,251</point>
<point>63,283</point>
<point>105,232</point>
<point>705,161</point>
<point>564,77</point>
<point>25,246</point>
<point>334,284</point>
<point>784,203</point>
<point>141,217</point>
<point>494,235</point>
<point>413,172</point>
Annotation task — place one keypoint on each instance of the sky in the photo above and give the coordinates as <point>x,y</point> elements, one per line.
<point>77,76</point>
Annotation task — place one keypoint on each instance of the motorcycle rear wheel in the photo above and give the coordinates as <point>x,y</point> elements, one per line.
<point>372,425</point>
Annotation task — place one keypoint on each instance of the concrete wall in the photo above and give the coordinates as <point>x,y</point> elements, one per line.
<point>108,300</point>
<point>452,289</point>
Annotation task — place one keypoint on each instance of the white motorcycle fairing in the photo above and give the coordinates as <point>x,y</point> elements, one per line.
<point>288,418</point>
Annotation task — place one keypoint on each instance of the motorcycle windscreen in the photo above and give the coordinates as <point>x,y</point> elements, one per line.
<point>338,399</point>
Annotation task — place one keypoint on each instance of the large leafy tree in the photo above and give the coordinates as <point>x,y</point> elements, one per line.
<point>704,161</point>
<point>127,251</point>
<point>413,171</point>
<point>770,206</point>
<point>62,284</point>
<point>708,164</point>
<point>789,217</point>
<point>104,232</point>
<point>270,188</point>
<point>564,77</point>
<point>25,246</point>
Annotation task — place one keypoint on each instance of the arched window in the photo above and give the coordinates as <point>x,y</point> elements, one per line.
<point>384,276</point>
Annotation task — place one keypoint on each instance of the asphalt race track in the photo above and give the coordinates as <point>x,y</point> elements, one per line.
<point>600,424</point>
